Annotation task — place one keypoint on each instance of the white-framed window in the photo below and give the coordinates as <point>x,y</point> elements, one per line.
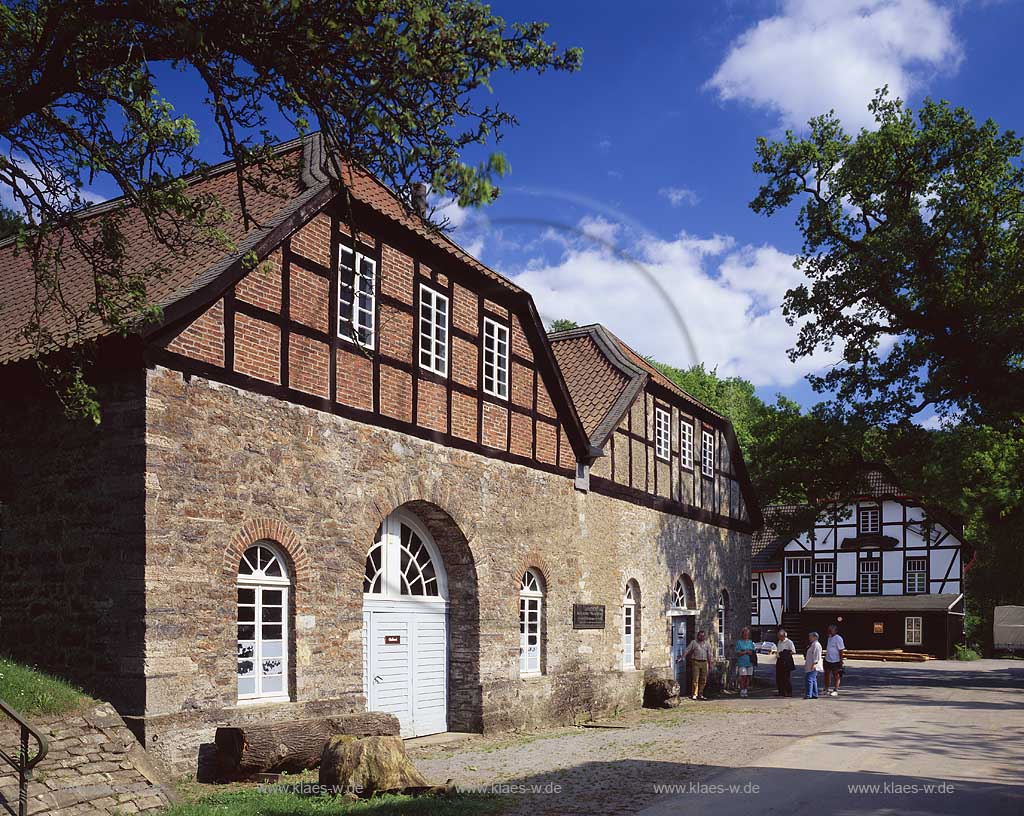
<point>824,577</point>
<point>707,453</point>
<point>433,331</point>
<point>357,297</point>
<point>403,561</point>
<point>531,600</point>
<point>495,358</point>
<point>798,565</point>
<point>869,519</point>
<point>723,603</point>
<point>755,596</point>
<point>869,576</point>
<point>686,443</point>
<point>913,629</point>
<point>629,617</point>
<point>683,596</point>
<point>662,434</point>
<point>917,576</point>
<point>262,624</point>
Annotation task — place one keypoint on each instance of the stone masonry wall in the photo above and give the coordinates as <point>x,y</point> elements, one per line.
<point>226,466</point>
<point>72,566</point>
<point>94,765</point>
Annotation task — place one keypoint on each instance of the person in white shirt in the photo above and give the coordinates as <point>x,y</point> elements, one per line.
<point>784,665</point>
<point>834,649</point>
<point>812,663</point>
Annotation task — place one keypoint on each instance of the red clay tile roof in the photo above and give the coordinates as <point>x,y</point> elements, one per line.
<point>172,277</point>
<point>593,381</point>
<point>778,519</point>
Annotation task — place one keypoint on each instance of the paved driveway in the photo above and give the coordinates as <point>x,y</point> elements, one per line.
<point>937,737</point>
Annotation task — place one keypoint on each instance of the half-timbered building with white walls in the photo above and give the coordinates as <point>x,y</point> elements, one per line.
<point>885,567</point>
<point>346,472</point>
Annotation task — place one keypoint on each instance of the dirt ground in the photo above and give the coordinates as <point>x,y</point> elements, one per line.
<point>615,769</point>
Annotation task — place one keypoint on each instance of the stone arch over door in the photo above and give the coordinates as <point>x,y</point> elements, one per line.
<point>464,696</point>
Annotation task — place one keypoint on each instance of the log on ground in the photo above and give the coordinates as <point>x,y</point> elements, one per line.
<point>277,747</point>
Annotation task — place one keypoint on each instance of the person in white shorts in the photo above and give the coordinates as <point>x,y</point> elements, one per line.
<point>744,660</point>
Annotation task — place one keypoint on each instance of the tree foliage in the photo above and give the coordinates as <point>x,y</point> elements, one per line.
<point>560,324</point>
<point>914,251</point>
<point>400,87</point>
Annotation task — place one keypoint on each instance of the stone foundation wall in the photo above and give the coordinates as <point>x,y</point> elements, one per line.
<point>71,514</point>
<point>94,765</point>
<point>225,466</point>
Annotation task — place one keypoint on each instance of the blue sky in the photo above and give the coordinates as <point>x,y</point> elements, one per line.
<point>647,152</point>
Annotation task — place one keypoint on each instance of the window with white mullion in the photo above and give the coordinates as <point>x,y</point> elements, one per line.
<point>870,519</point>
<point>824,577</point>
<point>357,297</point>
<point>531,596</point>
<point>495,357</point>
<point>707,453</point>
<point>262,625</point>
<point>686,443</point>
<point>662,434</point>
<point>433,331</point>
<point>917,576</point>
<point>913,630</point>
<point>869,576</point>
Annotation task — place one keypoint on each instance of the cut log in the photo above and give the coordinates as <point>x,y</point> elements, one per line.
<point>246,750</point>
<point>368,765</point>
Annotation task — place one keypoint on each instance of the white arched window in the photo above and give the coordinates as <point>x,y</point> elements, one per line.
<point>404,562</point>
<point>683,596</point>
<point>630,608</point>
<point>723,603</point>
<point>262,624</point>
<point>531,599</point>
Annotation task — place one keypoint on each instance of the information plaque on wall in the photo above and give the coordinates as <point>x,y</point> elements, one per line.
<point>588,616</point>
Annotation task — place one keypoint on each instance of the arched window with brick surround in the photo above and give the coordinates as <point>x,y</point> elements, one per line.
<point>263,585</point>
<point>531,604</point>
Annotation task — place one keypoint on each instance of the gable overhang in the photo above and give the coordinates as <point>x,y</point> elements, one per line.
<point>321,191</point>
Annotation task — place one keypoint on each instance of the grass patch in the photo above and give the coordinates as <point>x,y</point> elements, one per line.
<point>34,692</point>
<point>256,803</point>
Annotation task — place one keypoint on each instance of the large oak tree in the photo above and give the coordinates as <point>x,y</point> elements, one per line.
<point>400,87</point>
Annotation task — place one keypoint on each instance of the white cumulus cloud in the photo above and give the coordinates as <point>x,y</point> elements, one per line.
<point>682,300</point>
<point>817,55</point>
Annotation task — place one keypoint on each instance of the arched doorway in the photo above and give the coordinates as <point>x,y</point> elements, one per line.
<point>405,626</point>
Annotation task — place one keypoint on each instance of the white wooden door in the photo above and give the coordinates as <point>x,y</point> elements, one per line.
<point>390,664</point>
<point>407,669</point>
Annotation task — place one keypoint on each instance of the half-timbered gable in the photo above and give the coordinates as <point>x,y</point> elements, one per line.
<point>659,446</point>
<point>392,328</point>
<point>880,553</point>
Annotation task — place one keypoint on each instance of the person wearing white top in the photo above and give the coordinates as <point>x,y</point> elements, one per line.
<point>834,660</point>
<point>784,665</point>
<point>812,663</point>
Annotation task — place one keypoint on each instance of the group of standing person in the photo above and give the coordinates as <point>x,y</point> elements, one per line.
<point>832,663</point>
<point>700,653</point>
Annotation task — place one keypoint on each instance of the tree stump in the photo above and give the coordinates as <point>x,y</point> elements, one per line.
<point>246,750</point>
<point>660,693</point>
<point>369,765</point>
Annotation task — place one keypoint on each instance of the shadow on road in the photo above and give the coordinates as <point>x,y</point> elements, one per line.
<point>672,788</point>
